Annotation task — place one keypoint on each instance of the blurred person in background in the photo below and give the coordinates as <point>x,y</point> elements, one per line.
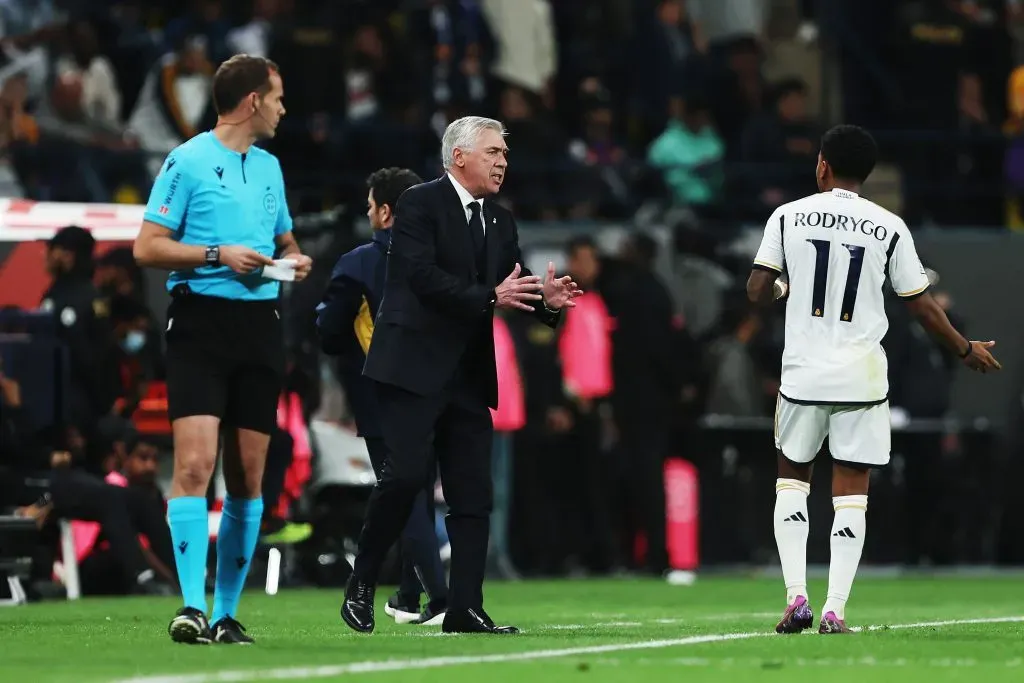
<point>921,377</point>
<point>175,102</point>
<point>585,352</point>
<point>509,417</point>
<point>779,144</point>
<point>83,321</point>
<point>132,363</point>
<point>548,186</point>
<point>204,18</point>
<point>606,169</point>
<point>27,27</point>
<point>671,44</point>
<point>738,386</point>
<point>253,37</point>
<point>76,493</point>
<point>18,447</point>
<point>455,50</point>
<point>118,276</point>
<point>540,527</point>
<point>527,48</point>
<point>645,402</point>
<point>19,138</point>
<point>83,116</point>
<point>133,467</point>
<point>690,153</point>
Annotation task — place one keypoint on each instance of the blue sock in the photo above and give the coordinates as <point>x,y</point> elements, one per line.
<point>190,533</point>
<point>236,542</point>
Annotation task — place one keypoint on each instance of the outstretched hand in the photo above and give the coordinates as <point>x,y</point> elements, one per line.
<point>559,292</point>
<point>517,292</point>
<point>980,359</point>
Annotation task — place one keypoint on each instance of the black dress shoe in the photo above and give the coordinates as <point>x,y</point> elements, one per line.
<point>357,610</point>
<point>473,621</point>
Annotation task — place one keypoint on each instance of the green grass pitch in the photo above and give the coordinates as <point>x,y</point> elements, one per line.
<point>587,631</point>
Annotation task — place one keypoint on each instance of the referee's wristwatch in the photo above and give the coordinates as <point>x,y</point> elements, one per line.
<point>213,256</point>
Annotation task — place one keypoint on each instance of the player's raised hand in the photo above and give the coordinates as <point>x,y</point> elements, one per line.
<point>980,359</point>
<point>243,260</point>
<point>516,292</point>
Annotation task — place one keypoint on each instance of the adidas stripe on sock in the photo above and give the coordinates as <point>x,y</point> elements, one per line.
<point>791,534</point>
<point>847,544</point>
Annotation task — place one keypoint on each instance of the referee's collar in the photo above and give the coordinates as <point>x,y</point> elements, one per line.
<point>845,194</point>
<point>383,236</point>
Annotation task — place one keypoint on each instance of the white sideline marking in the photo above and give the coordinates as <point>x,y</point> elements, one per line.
<point>302,672</point>
<point>830,663</point>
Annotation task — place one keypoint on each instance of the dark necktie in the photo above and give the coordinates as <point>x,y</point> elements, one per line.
<point>476,229</point>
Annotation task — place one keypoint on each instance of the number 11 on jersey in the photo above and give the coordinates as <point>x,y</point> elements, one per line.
<point>822,249</point>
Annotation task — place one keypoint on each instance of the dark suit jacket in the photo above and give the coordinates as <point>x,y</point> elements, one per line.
<point>345,324</point>
<point>437,309</point>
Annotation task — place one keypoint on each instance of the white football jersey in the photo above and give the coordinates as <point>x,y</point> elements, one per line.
<point>838,249</point>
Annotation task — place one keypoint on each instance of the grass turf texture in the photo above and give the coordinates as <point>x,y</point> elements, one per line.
<point>106,640</point>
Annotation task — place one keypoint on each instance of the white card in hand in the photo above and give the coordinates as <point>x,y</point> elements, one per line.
<point>283,270</point>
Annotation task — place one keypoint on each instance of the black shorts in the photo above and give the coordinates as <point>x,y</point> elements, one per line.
<point>225,357</point>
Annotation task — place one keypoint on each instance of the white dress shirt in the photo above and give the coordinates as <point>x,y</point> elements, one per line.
<point>466,198</point>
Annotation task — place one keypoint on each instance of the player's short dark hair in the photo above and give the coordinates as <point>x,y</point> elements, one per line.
<point>388,184</point>
<point>850,151</point>
<point>239,76</point>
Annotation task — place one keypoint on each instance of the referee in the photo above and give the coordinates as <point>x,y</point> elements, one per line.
<point>216,216</point>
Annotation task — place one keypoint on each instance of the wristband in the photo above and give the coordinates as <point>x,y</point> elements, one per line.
<point>970,347</point>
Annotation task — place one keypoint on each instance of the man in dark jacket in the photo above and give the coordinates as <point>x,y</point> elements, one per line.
<point>82,315</point>
<point>345,323</point>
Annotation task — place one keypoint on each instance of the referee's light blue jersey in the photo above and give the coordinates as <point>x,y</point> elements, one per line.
<point>210,195</point>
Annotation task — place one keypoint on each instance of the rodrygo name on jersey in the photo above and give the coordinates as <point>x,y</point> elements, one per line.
<point>838,249</point>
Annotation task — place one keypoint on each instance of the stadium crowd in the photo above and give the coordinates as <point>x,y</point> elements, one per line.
<point>612,107</point>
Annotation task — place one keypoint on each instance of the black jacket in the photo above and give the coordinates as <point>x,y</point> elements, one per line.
<point>436,315</point>
<point>345,323</point>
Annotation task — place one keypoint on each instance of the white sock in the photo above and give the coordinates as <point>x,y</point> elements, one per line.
<point>791,534</point>
<point>847,544</point>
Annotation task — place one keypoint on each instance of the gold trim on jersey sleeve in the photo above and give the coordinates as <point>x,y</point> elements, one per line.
<point>768,265</point>
<point>916,291</point>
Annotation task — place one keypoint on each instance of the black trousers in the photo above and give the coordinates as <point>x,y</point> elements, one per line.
<point>455,427</point>
<point>539,529</point>
<point>279,459</point>
<point>421,562</point>
<point>640,473</point>
<point>123,513</point>
<point>585,480</point>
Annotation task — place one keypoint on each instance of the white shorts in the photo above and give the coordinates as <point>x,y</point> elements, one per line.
<point>859,435</point>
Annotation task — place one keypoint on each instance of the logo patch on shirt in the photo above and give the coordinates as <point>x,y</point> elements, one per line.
<point>173,189</point>
<point>220,172</point>
<point>270,203</point>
